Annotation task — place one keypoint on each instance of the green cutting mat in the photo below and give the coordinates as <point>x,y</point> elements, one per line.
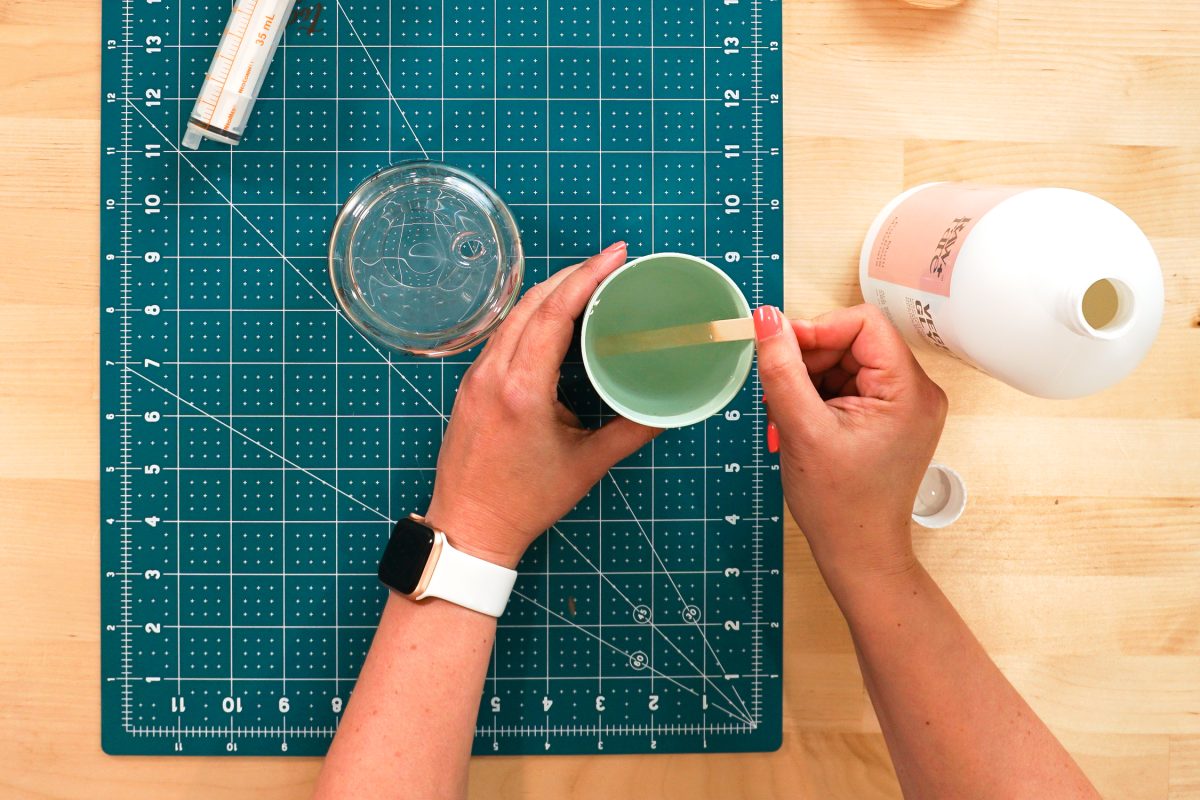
<point>255,448</point>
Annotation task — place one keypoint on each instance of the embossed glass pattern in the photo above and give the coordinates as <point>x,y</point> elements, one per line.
<point>425,258</point>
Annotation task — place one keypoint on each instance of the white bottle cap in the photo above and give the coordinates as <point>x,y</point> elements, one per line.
<point>941,498</point>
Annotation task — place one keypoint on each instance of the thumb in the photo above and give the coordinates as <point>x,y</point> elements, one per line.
<point>614,441</point>
<point>793,399</point>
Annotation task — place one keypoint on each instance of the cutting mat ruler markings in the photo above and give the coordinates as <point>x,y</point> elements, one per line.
<point>255,446</point>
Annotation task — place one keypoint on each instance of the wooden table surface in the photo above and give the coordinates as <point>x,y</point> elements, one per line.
<point>1077,562</point>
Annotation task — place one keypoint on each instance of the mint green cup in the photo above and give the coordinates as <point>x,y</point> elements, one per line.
<point>666,388</point>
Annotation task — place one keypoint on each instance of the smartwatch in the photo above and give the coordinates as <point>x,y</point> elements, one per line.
<point>419,562</point>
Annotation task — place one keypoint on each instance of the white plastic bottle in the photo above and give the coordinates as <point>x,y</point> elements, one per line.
<point>1053,291</point>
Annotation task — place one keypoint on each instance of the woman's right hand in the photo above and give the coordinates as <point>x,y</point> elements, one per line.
<point>857,421</point>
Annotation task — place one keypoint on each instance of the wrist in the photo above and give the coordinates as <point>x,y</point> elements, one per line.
<point>867,591</point>
<point>473,535</point>
<point>858,563</point>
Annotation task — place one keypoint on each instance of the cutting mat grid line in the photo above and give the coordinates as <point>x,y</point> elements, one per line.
<point>255,446</point>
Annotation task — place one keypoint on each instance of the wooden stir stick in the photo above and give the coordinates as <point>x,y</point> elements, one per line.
<point>721,330</point>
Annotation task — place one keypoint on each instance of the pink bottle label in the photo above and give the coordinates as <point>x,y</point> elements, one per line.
<point>918,243</point>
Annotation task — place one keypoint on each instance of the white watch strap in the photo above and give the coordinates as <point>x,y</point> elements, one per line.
<point>469,581</point>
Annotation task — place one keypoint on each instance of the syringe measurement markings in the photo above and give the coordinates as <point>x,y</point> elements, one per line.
<point>223,56</point>
<point>237,71</point>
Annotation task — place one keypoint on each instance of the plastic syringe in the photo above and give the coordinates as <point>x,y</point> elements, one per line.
<point>237,71</point>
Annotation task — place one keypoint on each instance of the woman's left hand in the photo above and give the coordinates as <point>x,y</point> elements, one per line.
<point>514,459</point>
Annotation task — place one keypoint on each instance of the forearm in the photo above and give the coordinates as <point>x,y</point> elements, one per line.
<point>408,728</point>
<point>953,723</point>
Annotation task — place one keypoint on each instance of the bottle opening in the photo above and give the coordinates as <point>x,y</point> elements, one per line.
<point>1107,307</point>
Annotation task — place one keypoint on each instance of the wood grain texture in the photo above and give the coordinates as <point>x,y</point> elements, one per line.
<point>1077,561</point>
<point>1184,775</point>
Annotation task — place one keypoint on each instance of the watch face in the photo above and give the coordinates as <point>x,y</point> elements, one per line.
<point>407,552</point>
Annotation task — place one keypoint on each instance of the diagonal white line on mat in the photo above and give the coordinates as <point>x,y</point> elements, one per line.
<point>257,443</point>
<point>717,659</point>
<point>678,592</point>
<point>386,87</point>
<point>607,643</point>
<point>699,673</point>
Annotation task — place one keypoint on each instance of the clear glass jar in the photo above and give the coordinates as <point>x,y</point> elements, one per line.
<point>425,258</point>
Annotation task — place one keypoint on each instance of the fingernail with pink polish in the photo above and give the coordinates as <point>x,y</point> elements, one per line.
<point>772,438</point>
<point>767,322</point>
